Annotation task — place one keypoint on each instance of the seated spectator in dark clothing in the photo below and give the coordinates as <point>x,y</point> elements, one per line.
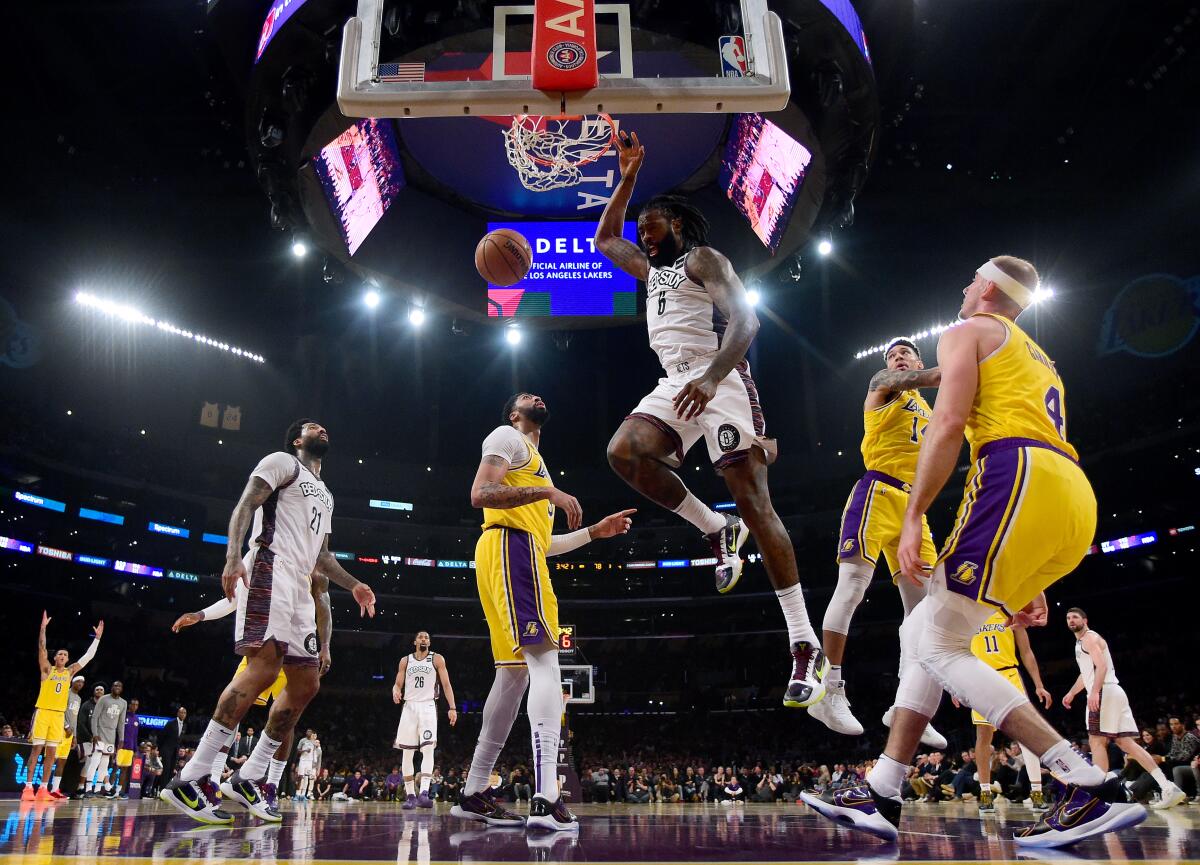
<point>358,786</point>
<point>639,790</point>
<point>521,787</point>
<point>716,788</point>
<point>1133,769</point>
<point>451,786</point>
<point>793,788</point>
<point>764,790</point>
<point>668,790</point>
<point>734,792</point>
<point>392,784</point>
<point>964,779</point>
<point>620,784</point>
<point>935,774</point>
<point>323,789</point>
<point>689,790</point>
<point>1183,747</point>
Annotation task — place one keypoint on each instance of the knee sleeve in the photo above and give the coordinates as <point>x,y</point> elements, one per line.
<point>427,759</point>
<point>502,704</point>
<point>853,579</point>
<point>918,690</point>
<point>407,762</point>
<point>910,593</point>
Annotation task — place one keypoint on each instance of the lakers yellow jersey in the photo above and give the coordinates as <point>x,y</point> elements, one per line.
<point>537,518</point>
<point>994,643</point>
<point>892,435</point>
<point>1020,395</point>
<point>55,690</point>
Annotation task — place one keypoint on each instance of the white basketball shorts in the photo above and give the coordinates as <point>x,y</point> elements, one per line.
<point>418,725</point>
<point>278,607</point>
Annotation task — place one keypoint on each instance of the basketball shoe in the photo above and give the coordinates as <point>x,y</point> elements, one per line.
<point>196,799</point>
<point>253,797</point>
<point>1083,813</point>
<point>929,736</point>
<point>859,808</point>
<point>410,802</point>
<point>555,816</point>
<point>479,807</point>
<point>809,668</point>
<point>834,711</point>
<point>725,546</point>
<point>987,801</point>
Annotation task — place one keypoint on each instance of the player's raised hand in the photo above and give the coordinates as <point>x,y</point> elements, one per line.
<point>614,524</point>
<point>45,619</point>
<point>98,631</point>
<point>694,396</point>
<point>366,600</point>
<point>570,505</point>
<point>909,552</point>
<point>186,621</point>
<point>235,569</point>
<point>630,153</point>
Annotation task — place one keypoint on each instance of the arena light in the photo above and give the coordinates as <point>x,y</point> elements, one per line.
<point>936,330</point>
<point>299,248</point>
<point>513,336</point>
<point>825,247</point>
<point>753,297</point>
<point>133,315</point>
<point>372,299</point>
<point>1043,293</point>
<point>416,316</point>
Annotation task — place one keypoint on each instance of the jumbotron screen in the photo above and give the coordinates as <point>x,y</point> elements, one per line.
<point>361,175</point>
<point>569,276</point>
<point>762,171</point>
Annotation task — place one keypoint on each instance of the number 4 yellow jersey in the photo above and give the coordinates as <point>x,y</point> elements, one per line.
<point>1020,396</point>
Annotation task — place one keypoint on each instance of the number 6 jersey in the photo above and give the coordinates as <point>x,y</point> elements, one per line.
<point>293,521</point>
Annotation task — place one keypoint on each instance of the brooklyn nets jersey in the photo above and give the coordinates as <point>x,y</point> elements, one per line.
<point>420,680</point>
<point>1087,666</point>
<point>295,518</point>
<point>683,321</point>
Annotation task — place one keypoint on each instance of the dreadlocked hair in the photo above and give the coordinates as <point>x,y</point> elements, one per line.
<point>694,225</point>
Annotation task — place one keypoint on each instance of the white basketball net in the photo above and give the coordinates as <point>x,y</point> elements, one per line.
<point>545,153</point>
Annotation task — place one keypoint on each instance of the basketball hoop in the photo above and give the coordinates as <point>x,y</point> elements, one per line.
<point>547,152</point>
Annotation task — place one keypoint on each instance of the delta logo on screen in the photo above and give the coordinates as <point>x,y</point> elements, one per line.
<point>569,276</point>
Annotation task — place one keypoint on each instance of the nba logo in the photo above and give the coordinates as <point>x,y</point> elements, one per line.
<point>733,57</point>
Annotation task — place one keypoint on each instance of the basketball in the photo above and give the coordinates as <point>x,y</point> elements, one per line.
<point>503,256</point>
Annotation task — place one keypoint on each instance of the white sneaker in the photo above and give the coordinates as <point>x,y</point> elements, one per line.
<point>834,711</point>
<point>929,736</point>
<point>1170,797</point>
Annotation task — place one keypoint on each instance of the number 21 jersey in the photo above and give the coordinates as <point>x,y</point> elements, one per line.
<point>293,521</point>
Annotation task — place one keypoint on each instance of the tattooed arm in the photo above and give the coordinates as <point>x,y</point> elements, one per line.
<point>320,593</point>
<point>488,491</point>
<point>886,383</point>
<point>43,658</point>
<point>610,231</point>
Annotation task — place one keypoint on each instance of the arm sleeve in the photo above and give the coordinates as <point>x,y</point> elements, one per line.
<point>220,609</point>
<point>275,469</point>
<point>506,442</point>
<point>560,544</point>
<point>89,654</point>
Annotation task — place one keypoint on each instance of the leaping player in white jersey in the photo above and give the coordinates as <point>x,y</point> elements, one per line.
<point>417,679</point>
<point>1108,713</point>
<point>701,326</point>
<point>290,507</point>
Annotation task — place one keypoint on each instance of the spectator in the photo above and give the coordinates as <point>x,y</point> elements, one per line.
<point>152,768</point>
<point>734,791</point>
<point>323,789</point>
<point>1183,747</point>
<point>620,785</point>
<point>435,783</point>
<point>519,779</point>
<point>795,785</point>
<point>668,789</point>
<point>358,787</point>
<point>1156,749</point>
<point>601,785</point>
<point>451,786</point>
<point>392,784</point>
<point>639,790</point>
<point>964,779</point>
<point>689,789</point>
<point>717,788</point>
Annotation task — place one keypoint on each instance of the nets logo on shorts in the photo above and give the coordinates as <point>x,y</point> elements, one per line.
<point>310,644</point>
<point>728,438</point>
<point>427,735</point>
<point>566,55</point>
<point>965,573</point>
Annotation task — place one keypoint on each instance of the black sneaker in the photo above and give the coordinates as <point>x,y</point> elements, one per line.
<point>479,807</point>
<point>859,807</point>
<point>809,668</point>
<point>196,799</point>
<point>725,546</point>
<point>252,796</point>
<point>554,817</point>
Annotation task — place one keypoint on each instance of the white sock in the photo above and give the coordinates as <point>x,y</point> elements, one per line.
<point>1160,779</point>
<point>56,783</point>
<point>424,783</point>
<point>256,765</point>
<point>1068,766</point>
<point>545,708</point>
<point>426,766</point>
<point>886,776</point>
<point>407,764</point>
<point>791,601</point>
<point>834,675</point>
<point>410,787</point>
<point>700,515</point>
<point>499,713</point>
<point>275,771</point>
<point>214,739</point>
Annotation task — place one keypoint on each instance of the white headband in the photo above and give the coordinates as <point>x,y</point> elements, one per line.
<point>1010,286</point>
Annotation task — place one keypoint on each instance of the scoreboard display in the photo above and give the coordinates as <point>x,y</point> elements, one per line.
<point>566,641</point>
<point>568,276</point>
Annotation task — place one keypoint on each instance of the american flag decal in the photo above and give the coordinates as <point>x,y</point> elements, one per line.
<point>401,72</point>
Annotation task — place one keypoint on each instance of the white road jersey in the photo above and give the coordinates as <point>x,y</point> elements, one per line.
<point>420,680</point>
<point>1087,667</point>
<point>306,752</point>
<point>293,522</point>
<point>684,323</point>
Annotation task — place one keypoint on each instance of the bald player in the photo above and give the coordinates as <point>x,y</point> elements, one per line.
<point>1027,519</point>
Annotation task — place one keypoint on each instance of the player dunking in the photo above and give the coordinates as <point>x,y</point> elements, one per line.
<point>518,497</point>
<point>997,643</point>
<point>417,680</point>
<point>1108,715</point>
<point>49,716</point>
<point>1027,519</point>
<point>700,326</point>
<point>894,418</point>
<point>290,507</point>
<point>222,608</point>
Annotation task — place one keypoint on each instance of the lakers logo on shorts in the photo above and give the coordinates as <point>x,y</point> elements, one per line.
<point>965,573</point>
<point>848,545</point>
<point>531,629</point>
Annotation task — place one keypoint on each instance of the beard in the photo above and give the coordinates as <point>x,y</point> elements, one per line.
<point>317,447</point>
<point>669,249</point>
<point>536,415</point>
